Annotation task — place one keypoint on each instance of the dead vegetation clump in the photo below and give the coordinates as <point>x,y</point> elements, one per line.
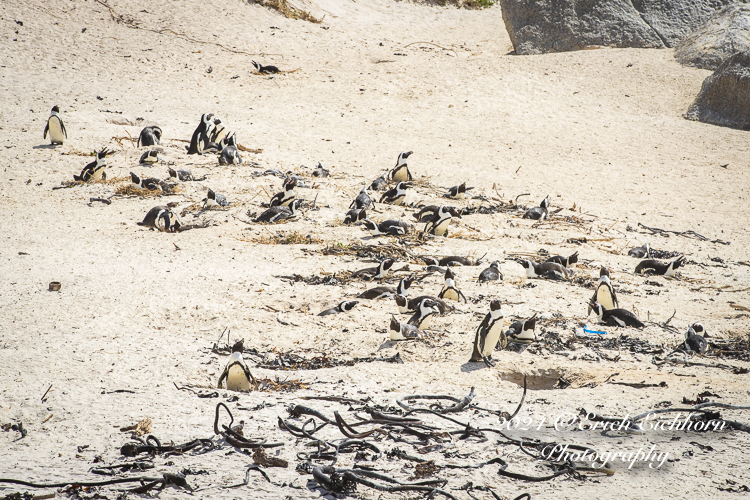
<point>287,10</point>
<point>291,238</point>
<point>131,189</point>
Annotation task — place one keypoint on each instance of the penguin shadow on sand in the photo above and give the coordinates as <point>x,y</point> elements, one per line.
<point>473,366</point>
<point>47,146</point>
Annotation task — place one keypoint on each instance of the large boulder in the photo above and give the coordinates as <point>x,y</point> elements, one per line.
<point>540,26</point>
<point>725,34</point>
<point>724,98</point>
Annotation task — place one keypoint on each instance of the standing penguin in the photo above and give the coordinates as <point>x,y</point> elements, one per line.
<point>218,132</point>
<point>94,170</point>
<point>488,334</point>
<point>150,136</point>
<point>604,293</point>
<point>200,141</point>
<point>230,155</point>
<point>236,373</point>
<point>55,127</point>
<point>449,291</point>
<point>400,172</point>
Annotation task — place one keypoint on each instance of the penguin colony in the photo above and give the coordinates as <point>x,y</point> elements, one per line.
<point>212,137</point>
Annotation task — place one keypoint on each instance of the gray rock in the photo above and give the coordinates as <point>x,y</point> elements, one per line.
<point>723,35</point>
<point>724,98</point>
<point>541,26</point>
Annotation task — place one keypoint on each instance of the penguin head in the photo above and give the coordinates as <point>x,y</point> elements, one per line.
<point>526,264</point>
<point>211,195</point>
<point>101,155</point>
<point>175,221</point>
<point>428,306</point>
<point>698,329</point>
<point>231,139</point>
<point>430,261</point>
<point>530,324</point>
<point>402,158</point>
<point>361,215</point>
<point>294,206</point>
<point>678,262</point>
<point>387,264</point>
<point>369,225</point>
<point>403,186</point>
<point>217,121</point>
<point>400,301</point>
<point>348,305</point>
<point>55,109</point>
<point>395,325</point>
<point>462,187</point>
<point>495,305</point>
<point>545,202</point>
<point>257,66</point>
<point>454,212</point>
<point>603,272</point>
<point>157,132</point>
<point>135,179</point>
<point>495,265</point>
<point>290,183</point>
<point>238,346</point>
<point>449,274</point>
<point>596,307</point>
<point>404,284</point>
<point>172,172</point>
<point>573,259</point>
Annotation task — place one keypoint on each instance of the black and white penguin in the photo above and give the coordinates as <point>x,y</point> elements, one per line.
<point>396,195</point>
<point>423,316</point>
<point>387,292</point>
<point>538,213</point>
<point>522,332</point>
<point>407,306</point>
<point>183,174</point>
<point>236,373</point>
<point>355,215</point>
<point>604,293</point>
<point>694,341</point>
<point>387,228</point>
<point>660,268</point>
<point>458,192</point>
<point>94,170</point>
<point>379,183</point>
<point>150,136</point>
<point>265,70</point>
<point>218,132</point>
<point>149,157</point>
<point>492,273</point>
<point>400,172</point>
<point>278,214</point>
<point>426,213</point>
<point>200,141</point>
<point>442,219</point>
<point>450,291</point>
<point>569,261</point>
<point>641,251</point>
<point>214,199</point>
<point>286,196</point>
<point>489,334</point>
<point>432,265</point>
<point>362,201</point>
<point>551,270</point>
<point>457,260</point>
<point>55,127</point>
<point>378,272</point>
<point>345,306</point>
<point>616,317</point>
<point>403,331</point>
<point>230,155</point>
<point>151,183</point>
<point>163,219</point>
<point>321,171</point>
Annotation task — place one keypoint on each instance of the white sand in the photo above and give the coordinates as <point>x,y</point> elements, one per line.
<point>600,129</point>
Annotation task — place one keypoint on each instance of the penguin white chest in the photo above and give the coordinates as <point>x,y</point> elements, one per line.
<point>401,174</point>
<point>441,228</point>
<point>493,335</point>
<point>604,297</point>
<point>450,294</point>
<point>55,130</point>
<point>236,379</point>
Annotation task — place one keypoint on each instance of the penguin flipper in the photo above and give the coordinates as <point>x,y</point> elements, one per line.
<point>46,129</point>
<point>461,296</point>
<point>221,379</point>
<point>249,376</point>
<point>65,132</point>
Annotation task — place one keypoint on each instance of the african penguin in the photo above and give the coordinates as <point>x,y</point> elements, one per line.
<point>616,317</point>
<point>230,155</point>
<point>218,133</point>
<point>387,292</point>
<point>522,332</point>
<point>149,157</point>
<point>379,183</point>
<point>277,214</point>
<point>400,172</point>
<point>286,196</point>
<point>426,213</point>
<point>641,251</point>
<point>321,171</point>
<point>55,127</point>
<point>150,136</point>
<point>694,341</point>
<point>403,331</point>
<point>492,273</point>
<point>345,306</point>
<point>551,270</point>
<point>265,70</point>
<point>604,294</point>
<point>355,215</point>
<point>456,260</point>
<point>458,192</point>
<point>423,316</point>
<point>214,199</point>
<point>449,291</point>
<point>200,141</point>
<point>660,268</point>
<point>568,262</point>
<point>396,195</point>
<point>387,228</point>
<point>163,219</point>
<point>236,373</point>
<point>442,219</point>
<point>378,272</point>
<point>489,334</point>
<point>406,306</point>
<point>94,170</point>
<point>362,201</point>
<point>538,213</point>
<point>183,175</point>
<point>151,183</point>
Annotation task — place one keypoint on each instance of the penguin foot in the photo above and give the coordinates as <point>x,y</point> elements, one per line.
<point>488,361</point>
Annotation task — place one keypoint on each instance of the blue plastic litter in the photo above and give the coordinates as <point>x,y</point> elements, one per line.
<point>585,329</point>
